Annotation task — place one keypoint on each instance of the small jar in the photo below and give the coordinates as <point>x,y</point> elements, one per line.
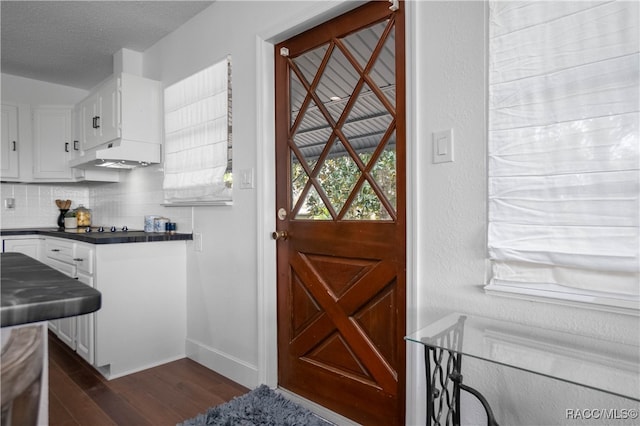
<point>83,216</point>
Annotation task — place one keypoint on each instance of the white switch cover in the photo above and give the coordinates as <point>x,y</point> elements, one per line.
<point>443,146</point>
<point>246,179</point>
<point>197,241</point>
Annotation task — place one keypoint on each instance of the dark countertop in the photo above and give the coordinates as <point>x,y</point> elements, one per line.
<point>95,237</point>
<point>32,291</point>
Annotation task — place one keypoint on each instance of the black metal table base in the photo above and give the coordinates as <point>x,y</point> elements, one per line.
<point>444,379</point>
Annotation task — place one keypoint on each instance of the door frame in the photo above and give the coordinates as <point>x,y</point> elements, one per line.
<point>266,278</point>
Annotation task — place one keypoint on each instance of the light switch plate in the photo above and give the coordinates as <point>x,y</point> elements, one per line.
<point>197,241</point>
<point>246,179</point>
<point>443,146</point>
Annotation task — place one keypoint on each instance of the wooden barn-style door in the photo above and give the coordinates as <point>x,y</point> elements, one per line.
<point>340,200</point>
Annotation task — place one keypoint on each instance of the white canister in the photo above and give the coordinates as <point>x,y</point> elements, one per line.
<point>149,222</point>
<point>70,223</point>
<point>160,224</point>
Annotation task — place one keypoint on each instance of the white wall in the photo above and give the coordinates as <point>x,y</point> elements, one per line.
<point>223,283</point>
<point>450,55</point>
<point>20,90</point>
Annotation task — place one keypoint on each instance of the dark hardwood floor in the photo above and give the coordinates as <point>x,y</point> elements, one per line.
<point>163,395</point>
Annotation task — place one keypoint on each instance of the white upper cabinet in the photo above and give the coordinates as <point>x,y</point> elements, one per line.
<point>99,115</point>
<point>125,106</point>
<point>10,144</point>
<point>53,143</point>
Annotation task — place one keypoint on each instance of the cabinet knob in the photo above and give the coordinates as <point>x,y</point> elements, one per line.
<point>15,147</point>
<point>78,259</point>
<point>56,250</point>
<point>66,147</point>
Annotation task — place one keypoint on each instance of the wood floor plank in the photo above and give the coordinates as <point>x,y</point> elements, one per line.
<point>163,395</point>
<point>63,356</point>
<point>154,410</point>
<point>194,388</point>
<point>116,407</point>
<point>59,413</point>
<point>152,404</point>
<point>75,401</point>
<point>178,401</point>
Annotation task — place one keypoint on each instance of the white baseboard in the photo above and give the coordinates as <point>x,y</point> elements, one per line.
<point>222,363</point>
<point>110,374</point>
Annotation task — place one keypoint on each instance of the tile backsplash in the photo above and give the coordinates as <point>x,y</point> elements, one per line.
<point>34,205</point>
<point>125,203</point>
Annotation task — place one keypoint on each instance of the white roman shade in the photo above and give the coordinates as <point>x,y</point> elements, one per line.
<point>564,173</point>
<point>198,137</point>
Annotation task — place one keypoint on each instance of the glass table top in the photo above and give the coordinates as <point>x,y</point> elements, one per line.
<point>602,365</point>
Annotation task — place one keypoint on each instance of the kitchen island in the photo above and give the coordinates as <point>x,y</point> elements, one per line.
<point>32,293</point>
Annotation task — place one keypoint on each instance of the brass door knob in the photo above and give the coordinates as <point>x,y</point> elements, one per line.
<point>279,235</point>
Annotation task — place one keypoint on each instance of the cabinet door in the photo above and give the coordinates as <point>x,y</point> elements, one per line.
<point>78,130</point>
<point>109,120</point>
<point>88,113</point>
<point>100,115</point>
<point>9,151</point>
<point>83,258</point>
<point>53,147</point>
<point>53,326</point>
<point>67,331</point>
<point>56,254</point>
<point>85,332</point>
<point>28,246</point>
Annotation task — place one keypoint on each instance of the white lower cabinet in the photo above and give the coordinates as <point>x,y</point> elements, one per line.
<point>142,319</point>
<point>72,258</point>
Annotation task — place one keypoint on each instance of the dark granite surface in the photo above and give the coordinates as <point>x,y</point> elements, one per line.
<point>95,237</point>
<point>32,291</point>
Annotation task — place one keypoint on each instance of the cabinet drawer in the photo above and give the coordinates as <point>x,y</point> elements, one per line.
<point>64,267</point>
<point>59,250</point>
<point>84,258</point>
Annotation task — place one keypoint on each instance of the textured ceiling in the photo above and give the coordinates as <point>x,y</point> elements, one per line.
<point>73,42</point>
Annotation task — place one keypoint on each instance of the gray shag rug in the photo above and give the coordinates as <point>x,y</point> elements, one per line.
<point>260,407</point>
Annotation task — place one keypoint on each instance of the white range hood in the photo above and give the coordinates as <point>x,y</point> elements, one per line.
<point>119,154</point>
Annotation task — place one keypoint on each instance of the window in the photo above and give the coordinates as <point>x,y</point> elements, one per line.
<point>564,174</point>
<point>197,153</point>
